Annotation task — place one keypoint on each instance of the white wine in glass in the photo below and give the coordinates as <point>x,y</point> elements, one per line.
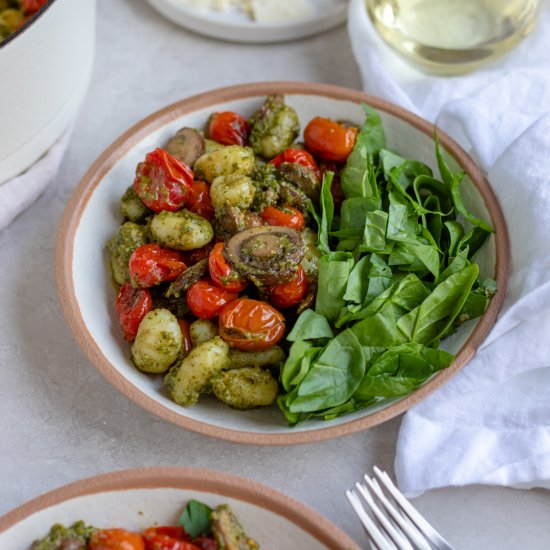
<point>452,36</point>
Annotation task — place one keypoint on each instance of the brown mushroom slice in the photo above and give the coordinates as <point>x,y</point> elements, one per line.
<point>232,220</point>
<point>267,255</point>
<point>187,279</point>
<point>290,195</point>
<point>187,145</point>
<point>302,177</point>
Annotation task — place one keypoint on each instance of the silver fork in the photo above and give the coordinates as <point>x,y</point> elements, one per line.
<point>393,522</point>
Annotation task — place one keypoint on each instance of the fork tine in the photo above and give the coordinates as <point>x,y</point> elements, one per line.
<point>404,524</point>
<point>395,536</point>
<point>375,535</point>
<point>416,517</point>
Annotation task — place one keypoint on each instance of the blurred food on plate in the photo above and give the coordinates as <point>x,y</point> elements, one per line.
<point>15,13</point>
<point>262,11</point>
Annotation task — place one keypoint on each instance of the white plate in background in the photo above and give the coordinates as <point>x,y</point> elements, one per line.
<point>140,498</point>
<point>236,26</point>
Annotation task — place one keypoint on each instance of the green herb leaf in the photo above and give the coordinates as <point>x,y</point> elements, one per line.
<point>195,519</point>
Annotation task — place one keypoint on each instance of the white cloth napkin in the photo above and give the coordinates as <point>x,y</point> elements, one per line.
<point>20,192</point>
<point>491,423</point>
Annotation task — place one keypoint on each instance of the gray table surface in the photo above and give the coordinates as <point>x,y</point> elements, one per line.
<point>62,421</point>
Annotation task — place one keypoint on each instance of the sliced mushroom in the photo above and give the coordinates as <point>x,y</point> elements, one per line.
<point>291,195</point>
<point>187,279</point>
<point>187,145</point>
<point>302,177</point>
<point>267,255</point>
<point>232,220</point>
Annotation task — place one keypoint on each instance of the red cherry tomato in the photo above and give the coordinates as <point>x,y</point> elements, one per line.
<point>251,325</point>
<point>289,294</point>
<point>206,300</point>
<point>228,128</point>
<point>167,538</point>
<point>199,200</point>
<point>151,265</point>
<point>221,273</point>
<point>31,6</point>
<point>297,156</point>
<point>187,344</point>
<point>115,539</point>
<point>286,216</point>
<point>132,305</point>
<point>163,182</point>
<point>329,140</point>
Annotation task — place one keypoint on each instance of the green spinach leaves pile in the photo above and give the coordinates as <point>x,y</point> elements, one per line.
<point>396,276</point>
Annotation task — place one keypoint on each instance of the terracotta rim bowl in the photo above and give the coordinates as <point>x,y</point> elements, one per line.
<point>340,96</point>
<point>201,480</point>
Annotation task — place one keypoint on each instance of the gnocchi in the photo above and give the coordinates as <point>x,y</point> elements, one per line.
<point>158,342</point>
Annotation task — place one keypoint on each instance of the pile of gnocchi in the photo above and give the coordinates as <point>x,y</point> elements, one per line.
<point>217,254</point>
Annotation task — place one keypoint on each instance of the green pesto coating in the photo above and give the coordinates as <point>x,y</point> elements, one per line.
<point>245,388</point>
<point>181,230</point>
<point>310,261</point>
<point>228,531</point>
<point>274,127</point>
<point>186,381</point>
<point>60,535</point>
<point>271,356</point>
<point>232,190</point>
<point>158,343</point>
<point>132,208</point>
<point>232,159</point>
<point>267,182</point>
<point>129,236</point>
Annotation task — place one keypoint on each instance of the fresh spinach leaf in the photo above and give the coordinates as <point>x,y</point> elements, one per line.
<point>310,326</point>
<point>359,174</point>
<point>333,377</point>
<point>195,519</point>
<point>358,282</point>
<point>327,213</point>
<point>334,272</point>
<point>428,321</point>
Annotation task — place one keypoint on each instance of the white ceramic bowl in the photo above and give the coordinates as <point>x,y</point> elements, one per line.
<point>87,294</point>
<point>137,499</point>
<point>46,67</point>
<point>237,27</point>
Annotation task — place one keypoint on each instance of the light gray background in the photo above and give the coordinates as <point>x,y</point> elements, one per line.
<point>62,421</point>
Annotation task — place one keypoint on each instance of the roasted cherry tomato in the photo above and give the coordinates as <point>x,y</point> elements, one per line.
<point>31,6</point>
<point>221,273</point>
<point>289,294</point>
<point>286,216</point>
<point>199,200</point>
<point>151,265</point>
<point>251,325</point>
<point>132,305</point>
<point>297,156</point>
<point>335,188</point>
<point>163,182</point>
<point>206,300</point>
<point>187,344</point>
<point>116,539</point>
<point>167,538</point>
<point>228,128</point>
<point>329,140</point>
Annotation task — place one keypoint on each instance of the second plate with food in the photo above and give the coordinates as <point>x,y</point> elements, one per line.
<point>236,25</point>
<point>88,294</point>
<point>140,499</point>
